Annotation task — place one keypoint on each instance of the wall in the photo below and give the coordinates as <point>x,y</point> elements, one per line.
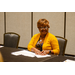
<point>56,20</point>
<point>1,27</point>
<point>19,22</point>
<point>70,33</point>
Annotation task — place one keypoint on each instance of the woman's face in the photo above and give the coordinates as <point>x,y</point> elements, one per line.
<point>43,30</point>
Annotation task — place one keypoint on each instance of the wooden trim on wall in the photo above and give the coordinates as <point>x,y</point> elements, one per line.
<point>31,24</point>
<point>4,22</point>
<point>64,24</point>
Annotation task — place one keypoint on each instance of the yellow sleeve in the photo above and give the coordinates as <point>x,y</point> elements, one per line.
<point>55,45</point>
<point>32,42</point>
<point>30,45</point>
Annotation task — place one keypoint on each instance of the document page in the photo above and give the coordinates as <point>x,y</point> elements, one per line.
<point>1,46</point>
<point>68,60</point>
<point>24,53</point>
<point>29,54</point>
<point>42,56</point>
<point>16,53</point>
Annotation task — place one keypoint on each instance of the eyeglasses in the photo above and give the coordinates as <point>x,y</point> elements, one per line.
<point>43,28</point>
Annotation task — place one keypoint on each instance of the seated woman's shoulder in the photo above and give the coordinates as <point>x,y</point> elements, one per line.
<point>51,35</point>
<point>35,35</point>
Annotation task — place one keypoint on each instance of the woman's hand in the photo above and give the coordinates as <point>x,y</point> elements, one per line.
<point>48,51</point>
<point>38,52</point>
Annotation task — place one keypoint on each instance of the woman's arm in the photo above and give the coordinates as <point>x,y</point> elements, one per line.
<point>55,46</point>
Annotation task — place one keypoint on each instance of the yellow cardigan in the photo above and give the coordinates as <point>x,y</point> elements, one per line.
<point>50,43</point>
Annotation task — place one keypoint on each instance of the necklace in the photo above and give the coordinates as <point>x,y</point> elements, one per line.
<point>40,40</point>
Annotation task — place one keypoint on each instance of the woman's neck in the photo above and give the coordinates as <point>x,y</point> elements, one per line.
<point>42,35</point>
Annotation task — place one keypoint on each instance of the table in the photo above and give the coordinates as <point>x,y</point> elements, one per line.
<point>60,59</point>
<point>8,57</point>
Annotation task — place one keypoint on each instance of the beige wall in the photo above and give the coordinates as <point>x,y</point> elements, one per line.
<point>19,22</point>
<point>70,33</point>
<point>56,20</point>
<point>1,27</point>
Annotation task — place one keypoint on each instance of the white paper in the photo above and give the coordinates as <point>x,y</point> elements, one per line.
<point>42,56</point>
<point>16,53</point>
<point>24,53</point>
<point>68,60</point>
<point>29,54</point>
<point>1,46</point>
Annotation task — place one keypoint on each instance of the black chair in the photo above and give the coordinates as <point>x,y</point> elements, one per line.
<point>62,45</point>
<point>11,39</point>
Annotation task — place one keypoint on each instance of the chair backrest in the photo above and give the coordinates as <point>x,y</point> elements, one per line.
<point>62,44</point>
<point>11,39</point>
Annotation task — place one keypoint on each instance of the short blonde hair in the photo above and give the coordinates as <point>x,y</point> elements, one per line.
<point>43,22</point>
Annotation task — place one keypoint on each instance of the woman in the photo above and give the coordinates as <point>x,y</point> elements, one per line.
<point>44,42</point>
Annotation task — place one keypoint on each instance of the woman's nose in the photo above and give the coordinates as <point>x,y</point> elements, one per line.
<point>43,29</point>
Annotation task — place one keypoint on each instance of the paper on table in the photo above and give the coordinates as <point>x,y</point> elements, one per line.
<point>42,56</point>
<point>24,52</point>
<point>1,46</point>
<point>16,53</point>
<point>29,54</point>
<point>68,60</point>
